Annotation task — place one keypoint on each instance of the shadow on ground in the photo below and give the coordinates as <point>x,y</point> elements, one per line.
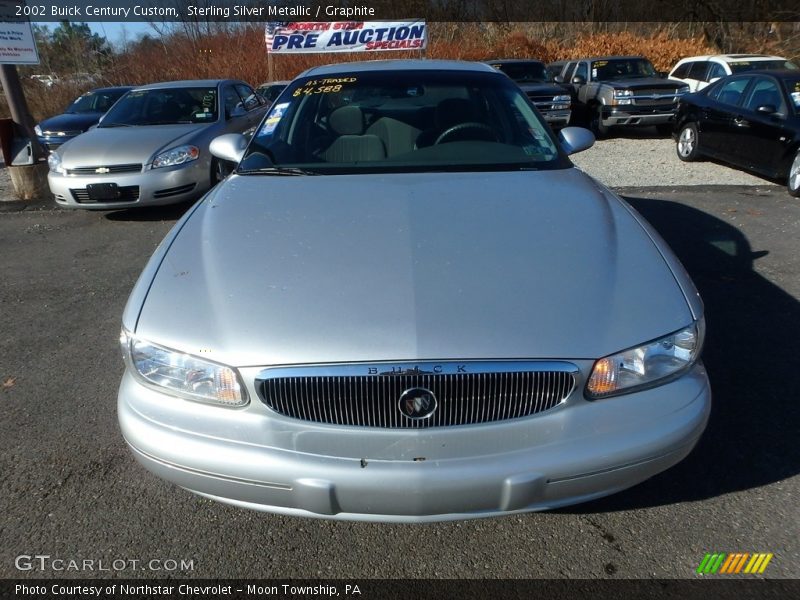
<point>751,352</point>
<point>151,213</point>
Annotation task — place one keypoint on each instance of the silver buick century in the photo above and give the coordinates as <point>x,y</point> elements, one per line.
<point>406,304</point>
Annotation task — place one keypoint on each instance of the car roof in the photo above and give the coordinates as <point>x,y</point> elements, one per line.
<point>592,58</point>
<point>399,65</point>
<point>514,60</point>
<point>731,57</point>
<point>109,88</point>
<point>772,72</point>
<point>186,83</point>
<point>281,82</point>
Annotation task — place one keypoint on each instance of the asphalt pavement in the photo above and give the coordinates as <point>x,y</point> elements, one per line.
<point>71,490</point>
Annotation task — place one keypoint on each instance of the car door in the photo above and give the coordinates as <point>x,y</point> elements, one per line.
<point>719,133</point>
<point>763,135</point>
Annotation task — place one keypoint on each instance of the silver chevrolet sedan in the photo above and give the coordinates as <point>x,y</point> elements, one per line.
<point>406,304</point>
<point>151,148</point>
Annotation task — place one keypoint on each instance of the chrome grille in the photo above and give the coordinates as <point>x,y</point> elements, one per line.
<point>655,97</point>
<point>105,170</point>
<point>353,395</point>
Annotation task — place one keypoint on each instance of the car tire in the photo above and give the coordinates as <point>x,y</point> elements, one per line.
<point>793,180</point>
<point>220,169</point>
<point>688,143</point>
<point>599,130</point>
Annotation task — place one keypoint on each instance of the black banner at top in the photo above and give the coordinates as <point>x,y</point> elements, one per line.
<point>432,10</point>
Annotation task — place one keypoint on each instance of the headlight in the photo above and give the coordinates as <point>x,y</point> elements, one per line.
<point>622,97</point>
<point>176,156</point>
<point>561,102</point>
<point>37,130</point>
<point>54,162</point>
<point>182,374</point>
<point>648,365</point>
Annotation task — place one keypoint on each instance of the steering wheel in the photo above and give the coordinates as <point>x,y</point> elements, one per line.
<point>483,128</point>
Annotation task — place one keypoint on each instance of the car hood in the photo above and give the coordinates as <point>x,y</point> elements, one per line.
<point>291,270</point>
<point>543,88</point>
<point>648,83</point>
<point>123,145</point>
<point>70,122</point>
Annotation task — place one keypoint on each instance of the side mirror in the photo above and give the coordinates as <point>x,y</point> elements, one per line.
<point>229,146</point>
<point>767,109</point>
<point>662,74</point>
<point>575,139</point>
<point>558,79</point>
<point>238,111</point>
<point>579,80</point>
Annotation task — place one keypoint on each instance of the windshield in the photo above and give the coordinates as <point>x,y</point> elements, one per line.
<point>94,102</point>
<point>622,68</point>
<point>793,86</point>
<point>406,121</point>
<point>744,65</point>
<point>164,106</point>
<point>271,91</point>
<point>524,72</point>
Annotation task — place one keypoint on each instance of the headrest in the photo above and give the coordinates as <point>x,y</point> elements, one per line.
<point>347,120</point>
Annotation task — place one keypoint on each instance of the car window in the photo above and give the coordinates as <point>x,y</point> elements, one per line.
<point>730,92</point>
<point>681,71</point>
<point>406,121</point>
<point>581,70</point>
<point>716,71</point>
<point>765,91</point>
<point>231,99</point>
<point>793,87</point>
<point>745,65</point>
<point>163,106</point>
<point>698,70</point>
<point>523,72</point>
<point>251,99</point>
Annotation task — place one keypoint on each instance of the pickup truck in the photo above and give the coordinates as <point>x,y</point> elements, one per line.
<point>621,91</point>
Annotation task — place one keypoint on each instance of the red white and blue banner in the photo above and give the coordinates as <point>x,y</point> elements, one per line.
<point>345,36</point>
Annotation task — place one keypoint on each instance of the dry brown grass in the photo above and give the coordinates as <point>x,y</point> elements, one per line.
<point>240,54</point>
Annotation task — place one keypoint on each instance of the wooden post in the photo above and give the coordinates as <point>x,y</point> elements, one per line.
<point>30,181</point>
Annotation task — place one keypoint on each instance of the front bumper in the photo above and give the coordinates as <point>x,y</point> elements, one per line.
<point>257,459</point>
<point>632,117</point>
<point>150,187</point>
<point>50,143</point>
<point>557,118</point>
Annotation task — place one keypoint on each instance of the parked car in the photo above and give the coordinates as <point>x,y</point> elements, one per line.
<point>271,90</point>
<point>152,146</point>
<point>698,71</point>
<point>550,99</point>
<point>80,115</point>
<point>750,120</point>
<point>406,304</point>
<point>621,91</point>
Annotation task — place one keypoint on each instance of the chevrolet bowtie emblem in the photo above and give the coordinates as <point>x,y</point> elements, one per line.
<point>102,170</point>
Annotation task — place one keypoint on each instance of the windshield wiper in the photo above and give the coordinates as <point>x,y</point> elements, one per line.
<point>277,171</point>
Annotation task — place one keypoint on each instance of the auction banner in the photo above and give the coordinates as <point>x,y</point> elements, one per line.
<point>345,36</point>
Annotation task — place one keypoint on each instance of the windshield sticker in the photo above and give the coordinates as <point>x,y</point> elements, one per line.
<point>599,63</point>
<point>275,116</point>
<point>203,115</point>
<point>594,73</point>
<point>209,99</point>
<point>326,85</point>
<point>796,99</point>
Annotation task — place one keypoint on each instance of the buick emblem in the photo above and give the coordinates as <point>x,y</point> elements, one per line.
<point>417,403</point>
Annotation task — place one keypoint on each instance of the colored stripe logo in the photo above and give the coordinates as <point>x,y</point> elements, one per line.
<point>734,563</point>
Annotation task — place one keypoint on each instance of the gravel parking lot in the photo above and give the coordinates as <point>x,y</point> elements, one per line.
<point>72,490</point>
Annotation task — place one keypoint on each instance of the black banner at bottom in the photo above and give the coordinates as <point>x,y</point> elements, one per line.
<point>364,589</point>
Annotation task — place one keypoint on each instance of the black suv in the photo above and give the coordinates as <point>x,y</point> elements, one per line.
<point>551,99</point>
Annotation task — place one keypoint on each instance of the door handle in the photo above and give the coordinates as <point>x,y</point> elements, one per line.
<point>740,122</point>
